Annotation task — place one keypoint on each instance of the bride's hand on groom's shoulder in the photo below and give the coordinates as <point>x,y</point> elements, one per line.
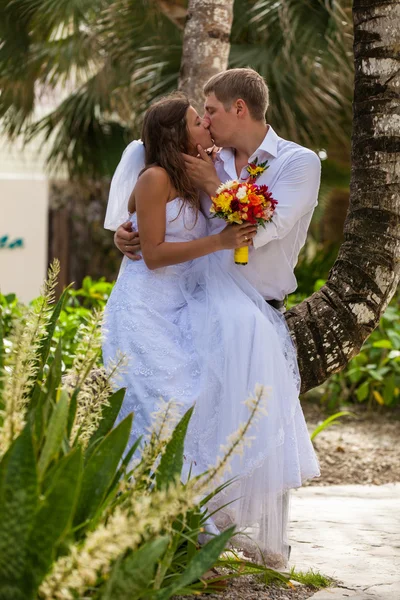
<point>202,172</point>
<point>127,241</point>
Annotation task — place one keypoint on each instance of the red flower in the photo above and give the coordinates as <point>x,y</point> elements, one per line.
<point>251,215</point>
<point>264,190</point>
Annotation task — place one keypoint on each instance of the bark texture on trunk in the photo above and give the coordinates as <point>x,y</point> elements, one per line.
<point>330,327</point>
<point>205,45</point>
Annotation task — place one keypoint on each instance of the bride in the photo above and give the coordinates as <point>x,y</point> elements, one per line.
<point>195,330</point>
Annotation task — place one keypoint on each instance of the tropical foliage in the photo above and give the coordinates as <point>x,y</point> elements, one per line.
<point>97,64</point>
<point>78,516</point>
<point>372,377</point>
<point>74,315</point>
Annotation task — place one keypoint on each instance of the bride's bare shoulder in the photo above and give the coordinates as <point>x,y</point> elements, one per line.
<point>154,175</point>
<point>154,183</point>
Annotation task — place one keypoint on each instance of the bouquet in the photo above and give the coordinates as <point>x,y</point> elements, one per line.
<point>240,202</point>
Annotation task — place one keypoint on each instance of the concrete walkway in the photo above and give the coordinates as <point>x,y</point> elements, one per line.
<point>351,533</point>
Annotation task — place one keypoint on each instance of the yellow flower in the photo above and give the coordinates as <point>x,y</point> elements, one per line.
<point>235,218</point>
<point>255,171</point>
<point>223,202</point>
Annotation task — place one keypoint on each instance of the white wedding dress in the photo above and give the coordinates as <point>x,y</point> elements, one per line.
<point>198,332</point>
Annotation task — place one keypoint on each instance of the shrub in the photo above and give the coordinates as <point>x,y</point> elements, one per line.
<point>78,517</point>
<point>75,313</point>
<point>373,376</point>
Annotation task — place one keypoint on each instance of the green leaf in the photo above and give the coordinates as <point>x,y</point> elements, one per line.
<point>125,463</point>
<point>171,554</point>
<point>388,390</point>
<point>100,470</point>
<point>42,402</point>
<point>172,460</point>
<point>55,514</point>
<point>363,391</point>
<point>132,575</point>
<point>72,411</point>
<point>394,338</point>
<point>329,421</point>
<point>55,433</point>
<point>109,414</point>
<point>375,375</point>
<point>47,345</point>
<point>383,344</point>
<point>355,374</point>
<point>200,564</point>
<point>18,503</point>
<point>194,519</point>
<point>318,284</point>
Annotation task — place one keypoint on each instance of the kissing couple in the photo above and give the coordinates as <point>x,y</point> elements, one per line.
<point>196,327</point>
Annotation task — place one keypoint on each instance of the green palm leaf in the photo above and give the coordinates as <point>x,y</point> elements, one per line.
<point>112,58</point>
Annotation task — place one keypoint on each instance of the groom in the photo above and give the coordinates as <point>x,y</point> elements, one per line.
<point>235,105</point>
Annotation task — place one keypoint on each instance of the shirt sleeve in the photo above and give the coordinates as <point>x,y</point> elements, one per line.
<point>296,191</point>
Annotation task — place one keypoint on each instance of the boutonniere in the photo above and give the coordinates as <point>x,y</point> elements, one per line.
<point>255,170</point>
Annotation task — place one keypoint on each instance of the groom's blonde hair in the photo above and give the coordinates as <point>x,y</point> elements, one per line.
<point>246,84</point>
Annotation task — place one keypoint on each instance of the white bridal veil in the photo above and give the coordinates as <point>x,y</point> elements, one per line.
<point>122,184</point>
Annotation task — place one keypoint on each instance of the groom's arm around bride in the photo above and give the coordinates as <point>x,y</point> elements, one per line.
<point>236,102</point>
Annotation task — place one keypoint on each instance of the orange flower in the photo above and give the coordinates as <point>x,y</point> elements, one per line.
<point>255,200</point>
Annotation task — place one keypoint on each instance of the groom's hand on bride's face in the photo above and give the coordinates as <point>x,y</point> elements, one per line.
<point>202,172</point>
<point>127,241</point>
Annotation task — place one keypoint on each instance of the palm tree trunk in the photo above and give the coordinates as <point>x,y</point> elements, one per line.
<point>330,327</point>
<point>205,45</point>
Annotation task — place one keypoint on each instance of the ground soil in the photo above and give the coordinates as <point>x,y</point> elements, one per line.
<point>248,587</point>
<point>363,449</point>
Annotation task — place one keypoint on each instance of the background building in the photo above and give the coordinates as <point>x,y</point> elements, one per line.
<point>24,202</point>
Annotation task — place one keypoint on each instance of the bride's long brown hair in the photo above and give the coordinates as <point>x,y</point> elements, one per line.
<point>165,136</point>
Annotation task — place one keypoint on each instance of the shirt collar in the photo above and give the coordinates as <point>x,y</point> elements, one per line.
<point>269,145</point>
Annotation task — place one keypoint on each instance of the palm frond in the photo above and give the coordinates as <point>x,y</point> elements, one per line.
<point>81,136</point>
<point>101,62</point>
<point>303,50</point>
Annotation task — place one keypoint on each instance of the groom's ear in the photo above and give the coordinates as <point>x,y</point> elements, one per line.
<point>240,107</point>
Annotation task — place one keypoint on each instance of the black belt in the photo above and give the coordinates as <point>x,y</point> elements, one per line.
<point>278,304</point>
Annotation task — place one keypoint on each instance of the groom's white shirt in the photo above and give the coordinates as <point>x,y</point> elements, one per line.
<point>293,178</point>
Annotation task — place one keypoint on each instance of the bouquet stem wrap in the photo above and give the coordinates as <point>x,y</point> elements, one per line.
<point>242,256</point>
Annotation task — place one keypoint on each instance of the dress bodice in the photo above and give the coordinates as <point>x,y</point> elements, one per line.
<point>183,222</point>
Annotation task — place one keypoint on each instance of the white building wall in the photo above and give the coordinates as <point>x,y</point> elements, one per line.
<point>24,201</point>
